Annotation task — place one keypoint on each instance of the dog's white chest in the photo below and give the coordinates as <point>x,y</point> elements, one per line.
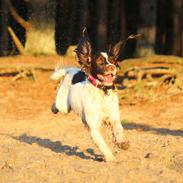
<point>110,105</point>
<point>87,100</point>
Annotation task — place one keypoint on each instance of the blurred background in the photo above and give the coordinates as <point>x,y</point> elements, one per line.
<point>52,26</point>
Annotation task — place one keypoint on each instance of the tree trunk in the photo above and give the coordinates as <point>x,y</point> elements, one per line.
<point>178,28</point>
<point>65,24</point>
<point>115,24</point>
<point>84,14</point>
<point>4,19</point>
<point>147,27</point>
<point>164,27</point>
<point>81,19</point>
<point>122,19</point>
<point>102,24</point>
<point>41,38</point>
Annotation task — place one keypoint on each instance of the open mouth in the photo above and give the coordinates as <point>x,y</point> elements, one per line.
<point>106,79</point>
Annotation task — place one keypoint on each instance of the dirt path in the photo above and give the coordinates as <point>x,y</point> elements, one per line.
<point>37,146</point>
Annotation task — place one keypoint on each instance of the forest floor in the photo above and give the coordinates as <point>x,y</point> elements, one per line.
<point>37,146</point>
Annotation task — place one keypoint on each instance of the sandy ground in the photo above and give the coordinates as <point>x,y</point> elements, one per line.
<point>37,146</point>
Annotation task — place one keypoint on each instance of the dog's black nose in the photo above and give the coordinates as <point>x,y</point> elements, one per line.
<point>54,109</point>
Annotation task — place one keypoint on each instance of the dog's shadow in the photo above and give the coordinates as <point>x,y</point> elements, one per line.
<point>58,147</point>
<point>148,128</point>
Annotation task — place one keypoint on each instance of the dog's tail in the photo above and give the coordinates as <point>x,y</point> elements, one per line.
<point>58,74</point>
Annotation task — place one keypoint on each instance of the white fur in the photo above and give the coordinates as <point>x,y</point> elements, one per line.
<point>105,55</point>
<point>92,104</point>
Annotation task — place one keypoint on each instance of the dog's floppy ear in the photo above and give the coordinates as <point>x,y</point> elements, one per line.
<point>83,51</point>
<point>115,51</point>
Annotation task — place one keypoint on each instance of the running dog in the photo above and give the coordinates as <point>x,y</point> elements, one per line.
<point>90,92</point>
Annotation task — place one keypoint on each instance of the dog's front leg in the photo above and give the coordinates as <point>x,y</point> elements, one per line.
<point>118,129</point>
<point>118,134</point>
<point>99,141</point>
<point>93,122</point>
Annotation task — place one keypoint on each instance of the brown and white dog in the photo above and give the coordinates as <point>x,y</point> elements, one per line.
<point>89,92</point>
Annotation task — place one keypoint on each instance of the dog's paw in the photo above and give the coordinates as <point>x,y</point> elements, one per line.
<point>99,158</point>
<point>110,159</point>
<point>123,145</point>
<point>54,109</point>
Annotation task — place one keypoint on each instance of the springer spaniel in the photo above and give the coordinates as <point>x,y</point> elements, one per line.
<point>90,92</point>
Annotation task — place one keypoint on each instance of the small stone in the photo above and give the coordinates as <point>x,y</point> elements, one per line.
<point>148,155</point>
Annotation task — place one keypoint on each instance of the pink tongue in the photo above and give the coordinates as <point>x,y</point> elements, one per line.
<point>108,78</point>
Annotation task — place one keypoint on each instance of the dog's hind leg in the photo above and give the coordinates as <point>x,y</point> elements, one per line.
<point>61,102</point>
<point>54,109</point>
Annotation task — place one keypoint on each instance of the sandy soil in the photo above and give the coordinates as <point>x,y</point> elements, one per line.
<point>37,146</point>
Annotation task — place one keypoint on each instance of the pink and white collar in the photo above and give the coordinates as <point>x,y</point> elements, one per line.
<point>94,81</point>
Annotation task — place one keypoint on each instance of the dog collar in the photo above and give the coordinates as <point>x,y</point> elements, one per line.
<point>94,81</point>
<point>99,85</point>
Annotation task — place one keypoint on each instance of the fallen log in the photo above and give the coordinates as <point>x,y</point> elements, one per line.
<point>23,66</point>
<point>27,65</point>
<point>47,63</point>
<point>149,72</point>
<point>22,70</point>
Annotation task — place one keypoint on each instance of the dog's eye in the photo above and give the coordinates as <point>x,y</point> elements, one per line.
<point>101,61</point>
<point>112,61</point>
<point>102,64</point>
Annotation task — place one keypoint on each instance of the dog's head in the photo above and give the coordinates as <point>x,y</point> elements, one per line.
<point>101,65</point>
